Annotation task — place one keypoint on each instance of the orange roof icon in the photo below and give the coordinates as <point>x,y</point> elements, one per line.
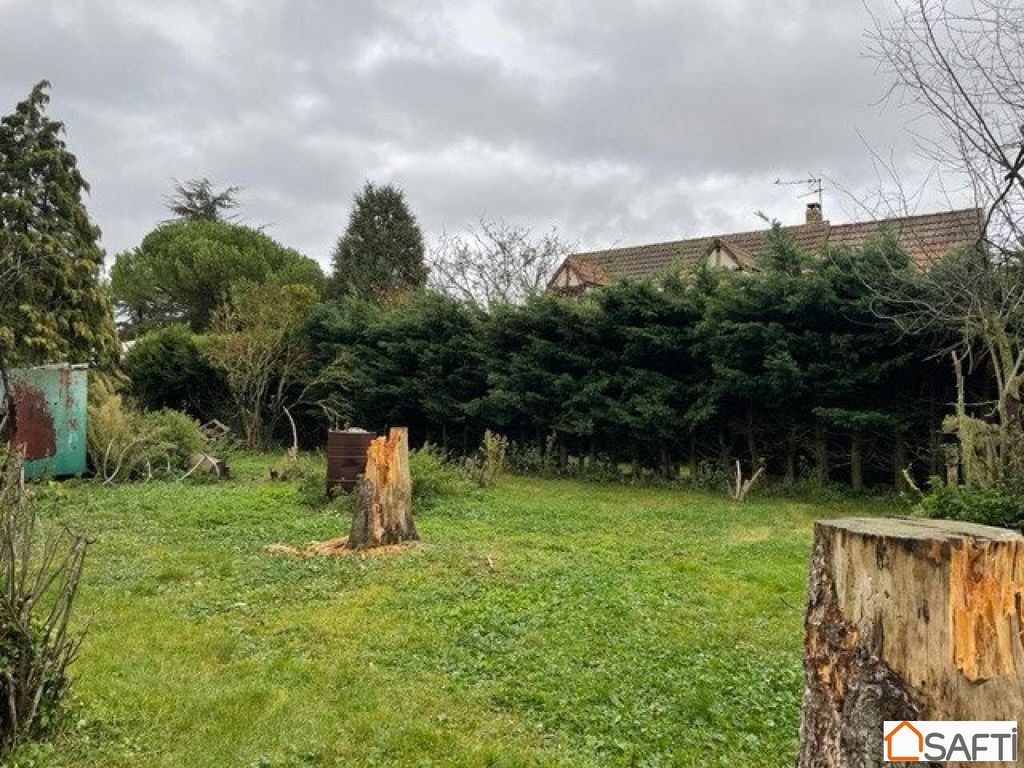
<point>889,739</point>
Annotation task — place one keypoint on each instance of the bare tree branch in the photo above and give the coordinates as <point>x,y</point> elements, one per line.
<point>961,64</point>
<point>495,263</point>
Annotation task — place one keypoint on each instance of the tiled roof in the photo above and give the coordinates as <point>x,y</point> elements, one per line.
<point>589,272</point>
<point>925,237</point>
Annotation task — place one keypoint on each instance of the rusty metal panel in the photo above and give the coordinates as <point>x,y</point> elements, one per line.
<point>346,456</point>
<point>50,406</point>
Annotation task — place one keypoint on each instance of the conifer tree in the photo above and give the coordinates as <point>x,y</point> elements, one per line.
<point>197,199</point>
<point>183,270</point>
<point>381,252</point>
<point>53,305</point>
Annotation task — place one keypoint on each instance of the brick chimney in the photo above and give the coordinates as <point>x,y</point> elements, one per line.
<point>813,213</point>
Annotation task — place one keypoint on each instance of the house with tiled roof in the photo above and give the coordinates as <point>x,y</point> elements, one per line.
<point>925,237</point>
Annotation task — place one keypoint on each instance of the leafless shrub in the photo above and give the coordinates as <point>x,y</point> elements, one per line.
<point>959,64</point>
<point>496,263</point>
<point>40,573</point>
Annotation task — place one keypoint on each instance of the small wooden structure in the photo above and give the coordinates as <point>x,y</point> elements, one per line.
<point>346,456</point>
<point>908,619</point>
<point>382,512</point>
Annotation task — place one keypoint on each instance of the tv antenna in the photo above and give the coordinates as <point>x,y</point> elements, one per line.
<point>814,185</point>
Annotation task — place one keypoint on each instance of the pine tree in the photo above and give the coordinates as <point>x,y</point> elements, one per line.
<point>53,305</point>
<point>381,252</point>
<point>183,270</point>
<point>197,199</point>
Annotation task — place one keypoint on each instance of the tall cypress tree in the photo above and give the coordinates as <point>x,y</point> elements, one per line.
<point>53,306</point>
<point>381,252</point>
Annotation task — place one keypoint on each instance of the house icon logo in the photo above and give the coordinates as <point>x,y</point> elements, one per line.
<point>949,741</point>
<point>904,743</point>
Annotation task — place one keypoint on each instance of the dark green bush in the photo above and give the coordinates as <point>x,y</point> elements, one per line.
<point>529,459</point>
<point>784,360</point>
<point>168,370</point>
<point>177,434</point>
<point>988,506</point>
<point>524,459</point>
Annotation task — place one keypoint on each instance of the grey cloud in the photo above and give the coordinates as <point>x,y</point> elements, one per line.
<point>618,121</point>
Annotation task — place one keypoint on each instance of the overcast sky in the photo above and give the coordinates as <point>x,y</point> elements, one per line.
<point>619,122</point>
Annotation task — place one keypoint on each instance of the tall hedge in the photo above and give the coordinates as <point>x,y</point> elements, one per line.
<point>786,367</point>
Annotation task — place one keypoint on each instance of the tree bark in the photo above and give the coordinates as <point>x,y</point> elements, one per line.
<point>723,452</point>
<point>755,457</point>
<point>856,462</point>
<point>821,453</point>
<point>908,619</point>
<point>382,512</point>
<point>791,457</point>
<point>665,462</point>
<point>8,420</point>
<point>899,463</point>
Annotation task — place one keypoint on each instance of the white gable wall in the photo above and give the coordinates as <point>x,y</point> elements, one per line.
<point>720,258</point>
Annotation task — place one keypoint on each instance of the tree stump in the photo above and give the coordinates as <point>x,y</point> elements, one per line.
<point>908,619</point>
<point>382,512</point>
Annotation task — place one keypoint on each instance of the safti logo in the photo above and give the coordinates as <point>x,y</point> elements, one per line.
<point>950,741</point>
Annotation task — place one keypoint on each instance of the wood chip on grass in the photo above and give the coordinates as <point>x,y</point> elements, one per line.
<point>338,547</point>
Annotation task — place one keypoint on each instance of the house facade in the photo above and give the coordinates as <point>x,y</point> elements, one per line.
<point>925,237</point>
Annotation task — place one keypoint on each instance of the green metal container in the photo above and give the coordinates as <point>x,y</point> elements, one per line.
<point>50,404</point>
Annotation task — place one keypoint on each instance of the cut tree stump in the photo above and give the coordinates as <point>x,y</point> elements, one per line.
<point>908,619</point>
<point>382,512</point>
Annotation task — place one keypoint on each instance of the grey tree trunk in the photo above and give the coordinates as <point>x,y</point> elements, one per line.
<point>908,619</point>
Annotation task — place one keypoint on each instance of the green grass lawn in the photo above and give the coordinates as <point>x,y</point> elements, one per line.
<point>540,623</point>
